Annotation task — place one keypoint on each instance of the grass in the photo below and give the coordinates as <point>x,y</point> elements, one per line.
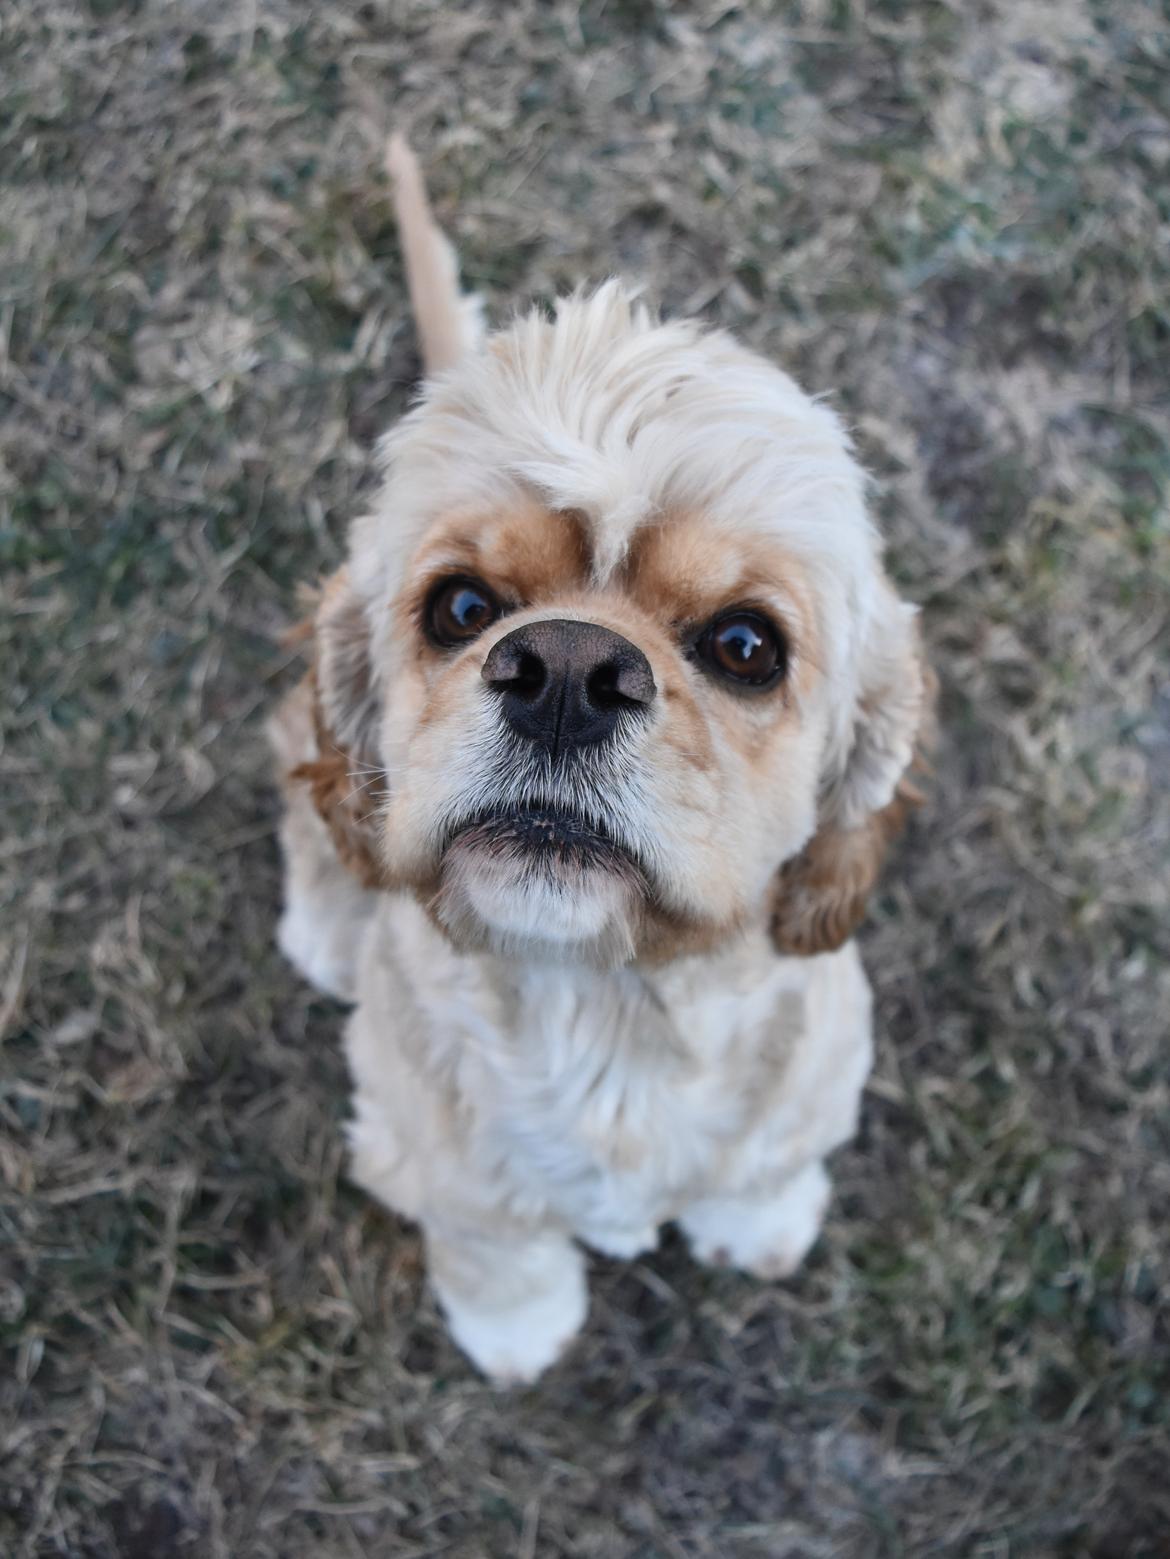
<point>953,217</point>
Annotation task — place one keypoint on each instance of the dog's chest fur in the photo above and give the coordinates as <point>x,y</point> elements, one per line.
<point>607,1100</point>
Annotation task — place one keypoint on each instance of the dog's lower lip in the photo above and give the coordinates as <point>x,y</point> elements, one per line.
<point>540,830</point>
<point>544,824</point>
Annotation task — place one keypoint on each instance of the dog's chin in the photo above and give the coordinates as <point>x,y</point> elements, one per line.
<point>539,885</point>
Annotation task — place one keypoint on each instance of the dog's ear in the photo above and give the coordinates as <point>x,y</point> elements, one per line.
<point>820,895</point>
<point>345,778</point>
<point>346,695</point>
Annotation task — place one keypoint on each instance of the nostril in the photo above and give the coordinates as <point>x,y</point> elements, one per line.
<point>620,684</point>
<point>513,667</point>
<point>602,683</point>
<point>530,675</point>
<point>602,686</point>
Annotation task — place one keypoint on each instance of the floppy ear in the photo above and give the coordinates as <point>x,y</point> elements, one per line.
<point>345,778</point>
<point>820,895</point>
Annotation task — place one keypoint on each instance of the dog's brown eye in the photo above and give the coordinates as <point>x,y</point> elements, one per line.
<point>459,610</point>
<point>745,647</point>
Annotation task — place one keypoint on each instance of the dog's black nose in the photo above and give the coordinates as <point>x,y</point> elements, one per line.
<point>565,684</point>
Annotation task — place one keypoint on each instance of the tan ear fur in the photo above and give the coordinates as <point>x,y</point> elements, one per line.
<point>820,896</point>
<point>345,779</point>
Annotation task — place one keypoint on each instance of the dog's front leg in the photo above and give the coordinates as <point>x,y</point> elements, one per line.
<point>514,1298</point>
<point>326,908</point>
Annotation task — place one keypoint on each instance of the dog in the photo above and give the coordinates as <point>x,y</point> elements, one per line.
<point>609,723</point>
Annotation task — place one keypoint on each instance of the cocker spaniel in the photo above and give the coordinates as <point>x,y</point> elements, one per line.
<point>607,729</point>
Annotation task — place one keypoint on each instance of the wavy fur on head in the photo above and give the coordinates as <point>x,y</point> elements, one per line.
<point>587,996</point>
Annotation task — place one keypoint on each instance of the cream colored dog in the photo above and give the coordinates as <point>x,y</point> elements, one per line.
<point>606,733</point>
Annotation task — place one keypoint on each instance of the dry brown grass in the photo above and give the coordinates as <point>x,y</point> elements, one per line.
<point>952,215</point>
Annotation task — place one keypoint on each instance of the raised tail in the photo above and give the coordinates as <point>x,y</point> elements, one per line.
<point>449,323</point>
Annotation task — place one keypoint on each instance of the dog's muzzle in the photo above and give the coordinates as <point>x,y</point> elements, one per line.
<point>564,685</point>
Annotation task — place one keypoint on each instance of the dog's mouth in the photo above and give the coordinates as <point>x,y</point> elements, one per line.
<point>545,835</point>
<point>519,877</point>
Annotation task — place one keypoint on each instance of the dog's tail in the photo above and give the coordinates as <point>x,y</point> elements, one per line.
<point>449,324</point>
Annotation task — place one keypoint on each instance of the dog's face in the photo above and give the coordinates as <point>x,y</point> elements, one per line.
<point>618,637</point>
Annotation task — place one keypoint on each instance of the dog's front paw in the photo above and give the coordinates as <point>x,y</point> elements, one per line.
<point>516,1342</point>
<point>768,1237</point>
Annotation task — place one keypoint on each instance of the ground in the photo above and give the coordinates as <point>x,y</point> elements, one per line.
<point>952,216</point>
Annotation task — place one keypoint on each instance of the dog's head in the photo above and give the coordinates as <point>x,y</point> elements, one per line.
<point>618,638</point>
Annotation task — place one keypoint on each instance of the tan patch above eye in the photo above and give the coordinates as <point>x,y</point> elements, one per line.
<point>681,570</point>
<point>687,569</point>
<point>525,552</point>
